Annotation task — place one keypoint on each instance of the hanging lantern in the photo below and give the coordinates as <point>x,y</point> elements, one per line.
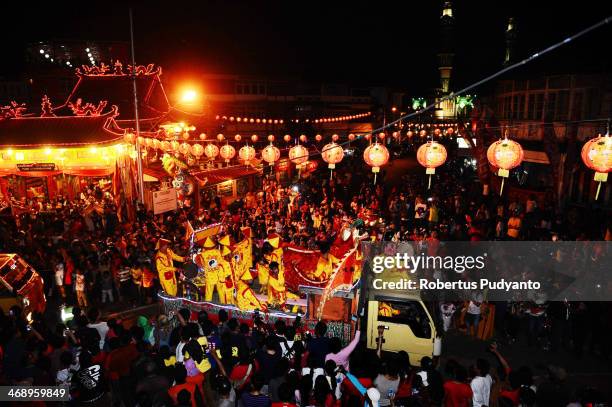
<point>220,137</point>
<point>303,138</point>
<point>381,135</point>
<point>318,137</point>
<point>254,138</point>
<point>186,135</point>
<point>238,137</point>
<point>332,154</point>
<point>271,138</point>
<point>197,150</point>
<point>410,133</point>
<point>270,154</point>
<point>368,137</point>
<point>184,148</point>
<point>335,137</point>
<point>376,155</point>
<point>395,135</point>
<point>505,154</point>
<point>450,131</point>
<point>287,138</point>
<point>423,133</point>
<point>351,137</point>
<point>202,136</point>
<point>129,138</point>
<point>437,132</point>
<point>227,152</point>
<point>597,155</point>
<point>431,155</point>
<point>211,151</point>
<point>246,154</point>
<point>174,145</point>
<point>298,155</point>
<point>165,146</point>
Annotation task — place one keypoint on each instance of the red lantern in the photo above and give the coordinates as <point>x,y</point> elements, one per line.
<point>597,155</point>
<point>270,154</point>
<point>410,133</point>
<point>220,137</point>
<point>271,138</point>
<point>298,154</point>
<point>246,154</point>
<point>431,155</point>
<point>287,138</point>
<point>505,154</point>
<point>376,155</point>
<point>197,150</point>
<point>184,148</point>
<point>422,133</point>
<point>254,138</point>
<point>227,152</point>
<point>335,137</point>
<point>368,137</point>
<point>332,154</point>
<point>303,138</point>
<point>211,151</point>
<point>129,138</point>
<point>437,132</point>
<point>450,131</point>
<point>237,137</point>
<point>351,137</point>
<point>381,136</point>
<point>202,136</point>
<point>318,137</point>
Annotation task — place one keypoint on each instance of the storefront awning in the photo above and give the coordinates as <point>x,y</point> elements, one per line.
<point>218,175</point>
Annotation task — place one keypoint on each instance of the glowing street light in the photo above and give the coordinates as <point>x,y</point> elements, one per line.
<point>189,96</point>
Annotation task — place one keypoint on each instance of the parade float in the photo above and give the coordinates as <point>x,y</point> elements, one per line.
<point>276,280</point>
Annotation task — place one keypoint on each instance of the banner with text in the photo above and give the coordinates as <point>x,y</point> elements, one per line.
<point>491,271</point>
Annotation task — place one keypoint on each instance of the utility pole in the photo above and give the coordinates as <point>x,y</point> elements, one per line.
<point>136,116</point>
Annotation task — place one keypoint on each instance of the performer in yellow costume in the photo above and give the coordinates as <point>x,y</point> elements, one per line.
<point>241,261</point>
<point>217,272</point>
<point>165,266</point>
<point>277,292</point>
<point>272,252</point>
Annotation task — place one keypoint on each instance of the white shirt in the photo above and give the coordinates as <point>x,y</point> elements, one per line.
<point>481,387</point>
<point>102,328</point>
<point>473,308</point>
<point>59,274</point>
<point>179,351</point>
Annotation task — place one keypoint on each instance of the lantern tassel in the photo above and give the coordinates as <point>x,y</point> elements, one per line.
<point>331,174</point>
<point>429,184</point>
<point>299,168</point>
<point>501,190</point>
<point>598,188</point>
<point>374,178</point>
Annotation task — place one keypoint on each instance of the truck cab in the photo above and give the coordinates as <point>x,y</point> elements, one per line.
<point>408,326</point>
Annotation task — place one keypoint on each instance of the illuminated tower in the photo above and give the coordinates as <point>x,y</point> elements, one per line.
<point>510,42</point>
<point>445,60</point>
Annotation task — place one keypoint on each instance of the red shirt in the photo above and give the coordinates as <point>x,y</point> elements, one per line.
<point>119,361</point>
<point>457,394</point>
<point>283,404</point>
<point>513,395</point>
<point>175,390</point>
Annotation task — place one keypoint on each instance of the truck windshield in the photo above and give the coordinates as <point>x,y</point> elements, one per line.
<point>406,312</point>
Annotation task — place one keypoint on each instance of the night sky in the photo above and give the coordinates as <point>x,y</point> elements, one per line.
<point>364,42</point>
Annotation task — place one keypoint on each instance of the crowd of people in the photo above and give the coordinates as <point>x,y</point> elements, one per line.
<point>93,256</point>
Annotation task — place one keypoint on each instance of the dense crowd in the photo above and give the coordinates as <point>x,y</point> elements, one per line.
<point>92,255</point>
